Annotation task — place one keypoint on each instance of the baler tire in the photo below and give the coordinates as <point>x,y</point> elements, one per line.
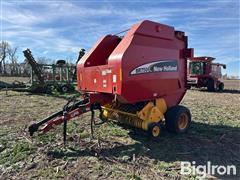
<point>174,116</point>
<point>154,130</point>
<point>221,87</point>
<point>210,85</point>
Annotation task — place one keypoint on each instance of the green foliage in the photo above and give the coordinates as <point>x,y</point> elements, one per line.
<point>51,173</point>
<point>19,151</point>
<point>112,129</point>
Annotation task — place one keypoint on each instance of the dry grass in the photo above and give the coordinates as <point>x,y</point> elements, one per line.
<point>232,84</point>
<point>116,152</point>
<point>12,79</point>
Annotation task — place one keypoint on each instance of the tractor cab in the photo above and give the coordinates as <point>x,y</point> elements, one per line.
<point>197,68</point>
<point>202,72</point>
<point>199,65</point>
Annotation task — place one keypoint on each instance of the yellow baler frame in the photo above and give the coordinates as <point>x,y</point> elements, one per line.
<point>152,112</point>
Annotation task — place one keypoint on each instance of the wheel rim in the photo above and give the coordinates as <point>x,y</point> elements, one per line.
<point>64,89</point>
<point>155,131</point>
<point>183,121</point>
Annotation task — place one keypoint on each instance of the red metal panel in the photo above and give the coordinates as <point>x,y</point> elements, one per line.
<point>148,63</point>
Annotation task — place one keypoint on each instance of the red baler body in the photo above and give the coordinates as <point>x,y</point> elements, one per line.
<point>138,76</point>
<point>123,66</point>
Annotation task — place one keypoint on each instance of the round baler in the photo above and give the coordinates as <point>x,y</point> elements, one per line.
<point>143,74</point>
<point>138,79</point>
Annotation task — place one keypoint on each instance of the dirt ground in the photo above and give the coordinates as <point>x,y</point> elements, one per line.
<point>232,84</point>
<point>116,152</point>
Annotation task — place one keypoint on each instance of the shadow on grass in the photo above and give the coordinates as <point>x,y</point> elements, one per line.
<point>203,142</point>
<point>231,91</point>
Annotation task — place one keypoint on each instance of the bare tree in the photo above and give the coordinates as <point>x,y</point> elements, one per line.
<point>13,59</point>
<point>44,60</point>
<point>4,45</point>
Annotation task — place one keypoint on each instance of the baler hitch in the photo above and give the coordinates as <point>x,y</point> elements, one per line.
<point>57,118</point>
<point>72,109</point>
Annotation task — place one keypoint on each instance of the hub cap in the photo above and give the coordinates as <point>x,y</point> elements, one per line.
<point>183,121</point>
<point>64,89</point>
<point>155,131</point>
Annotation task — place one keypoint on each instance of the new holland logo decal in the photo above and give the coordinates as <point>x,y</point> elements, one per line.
<point>157,66</point>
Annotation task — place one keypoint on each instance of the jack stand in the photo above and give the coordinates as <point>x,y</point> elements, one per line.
<point>64,128</point>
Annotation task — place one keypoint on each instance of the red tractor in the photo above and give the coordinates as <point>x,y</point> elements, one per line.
<point>202,72</point>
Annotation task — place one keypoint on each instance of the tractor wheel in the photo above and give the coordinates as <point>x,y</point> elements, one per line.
<point>64,88</point>
<point>178,119</point>
<point>221,86</point>
<point>211,85</point>
<point>154,130</point>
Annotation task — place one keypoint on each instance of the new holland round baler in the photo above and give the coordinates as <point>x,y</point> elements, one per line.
<point>138,79</point>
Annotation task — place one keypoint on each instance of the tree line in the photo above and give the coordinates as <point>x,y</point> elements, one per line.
<point>9,61</point>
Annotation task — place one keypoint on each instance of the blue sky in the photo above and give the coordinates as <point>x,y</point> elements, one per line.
<point>58,29</point>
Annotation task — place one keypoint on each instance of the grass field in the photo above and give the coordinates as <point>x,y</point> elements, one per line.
<point>116,151</point>
<point>12,79</point>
